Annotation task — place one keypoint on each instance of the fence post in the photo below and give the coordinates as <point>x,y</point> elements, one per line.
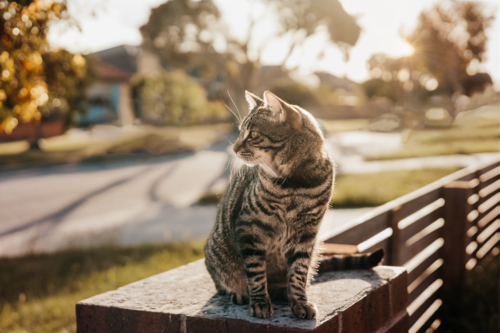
<point>455,211</point>
<point>395,217</point>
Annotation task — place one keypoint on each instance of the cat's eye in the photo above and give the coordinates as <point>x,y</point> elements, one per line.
<point>252,134</point>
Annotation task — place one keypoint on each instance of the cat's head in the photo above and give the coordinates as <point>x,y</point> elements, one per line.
<point>277,136</point>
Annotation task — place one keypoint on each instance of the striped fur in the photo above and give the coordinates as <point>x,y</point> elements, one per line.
<point>263,243</point>
<point>354,261</point>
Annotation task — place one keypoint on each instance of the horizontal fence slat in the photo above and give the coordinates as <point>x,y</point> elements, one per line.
<point>486,217</point>
<point>427,280</point>
<point>488,245</point>
<point>435,252</point>
<point>489,183</point>
<point>472,233</point>
<point>492,201</point>
<point>489,166</point>
<point>471,249</point>
<point>431,320</point>
<point>416,204</point>
<point>487,197</point>
<point>420,224</point>
<point>489,172</point>
<point>424,301</point>
<point>471,263</point>
<point>357,233</point>
<point>408,252</point>
<point>486,231</point>
<point>468,177</point>
<point>418,314</point>
<point>385,244</point>
<point>332,249</point>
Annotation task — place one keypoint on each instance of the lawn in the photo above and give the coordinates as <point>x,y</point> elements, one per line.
<point>108,142</point>
<point>38,293</point>
<point>369,190</point>
<point>474,132</point>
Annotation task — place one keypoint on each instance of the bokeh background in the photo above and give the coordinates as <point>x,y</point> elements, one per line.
<point>117,119</point>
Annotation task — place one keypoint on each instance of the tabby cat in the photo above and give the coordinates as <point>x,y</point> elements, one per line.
<point>262,246</point>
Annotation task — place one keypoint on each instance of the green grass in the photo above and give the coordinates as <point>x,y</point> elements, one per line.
<point>148,140</point>
<point>474,132</point>
<point>369,190</point>
<point>38,293</point>
<point>462,148</point>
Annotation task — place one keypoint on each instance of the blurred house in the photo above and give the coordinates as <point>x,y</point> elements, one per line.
<point>337,82</point>
<point>110,97</point>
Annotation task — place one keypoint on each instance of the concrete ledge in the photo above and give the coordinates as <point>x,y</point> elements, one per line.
<point>184,300</point>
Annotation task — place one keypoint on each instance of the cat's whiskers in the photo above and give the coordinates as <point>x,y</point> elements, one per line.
<point>232,165</point>
<point>235,115</point>
<point>270,168</point>
<point>234,105</point>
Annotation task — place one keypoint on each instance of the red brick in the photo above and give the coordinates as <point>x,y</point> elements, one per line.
<point>330,326</point>
<point>399,293</point>
<point>223,325</point>
<point>101,319</point>
<point>368,314</point>
<point>401,326</point>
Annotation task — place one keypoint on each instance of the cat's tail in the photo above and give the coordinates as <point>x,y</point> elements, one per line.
<point>353,261</point>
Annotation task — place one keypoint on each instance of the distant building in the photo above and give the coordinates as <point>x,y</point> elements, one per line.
<point>110,98</point>
<point>337,82</point>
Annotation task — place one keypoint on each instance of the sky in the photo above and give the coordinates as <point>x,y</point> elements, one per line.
<point>117,22</point>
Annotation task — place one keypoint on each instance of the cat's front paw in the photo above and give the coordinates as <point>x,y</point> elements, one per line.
<point>261,308</point>
<point>304,310</point>
<point>239,299</point>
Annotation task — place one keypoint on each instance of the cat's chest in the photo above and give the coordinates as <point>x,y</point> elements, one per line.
<point>294,207</point>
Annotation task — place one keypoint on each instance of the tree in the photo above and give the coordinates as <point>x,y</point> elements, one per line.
<point>34,80</point>
<point>293,92</point>
<point>449,39</point>
<point>192,34</point>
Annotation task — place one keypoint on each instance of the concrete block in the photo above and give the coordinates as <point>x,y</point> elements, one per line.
<point>185,300</point>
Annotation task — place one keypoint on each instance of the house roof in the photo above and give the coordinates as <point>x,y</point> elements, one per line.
<point>123,57</point>
<point>337,82</point>
<point>111,73</point>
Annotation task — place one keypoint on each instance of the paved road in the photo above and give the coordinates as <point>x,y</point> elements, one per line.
<point>50,208</point>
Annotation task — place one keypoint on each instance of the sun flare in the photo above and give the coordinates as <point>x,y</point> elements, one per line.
<point>407,49</point>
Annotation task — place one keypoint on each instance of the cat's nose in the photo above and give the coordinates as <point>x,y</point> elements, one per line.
<point>236,147</point>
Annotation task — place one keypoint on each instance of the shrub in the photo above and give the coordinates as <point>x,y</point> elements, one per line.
<point>173,98</point>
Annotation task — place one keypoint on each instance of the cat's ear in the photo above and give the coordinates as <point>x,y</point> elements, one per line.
<point>282,110</point>
<point>252,100</point>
